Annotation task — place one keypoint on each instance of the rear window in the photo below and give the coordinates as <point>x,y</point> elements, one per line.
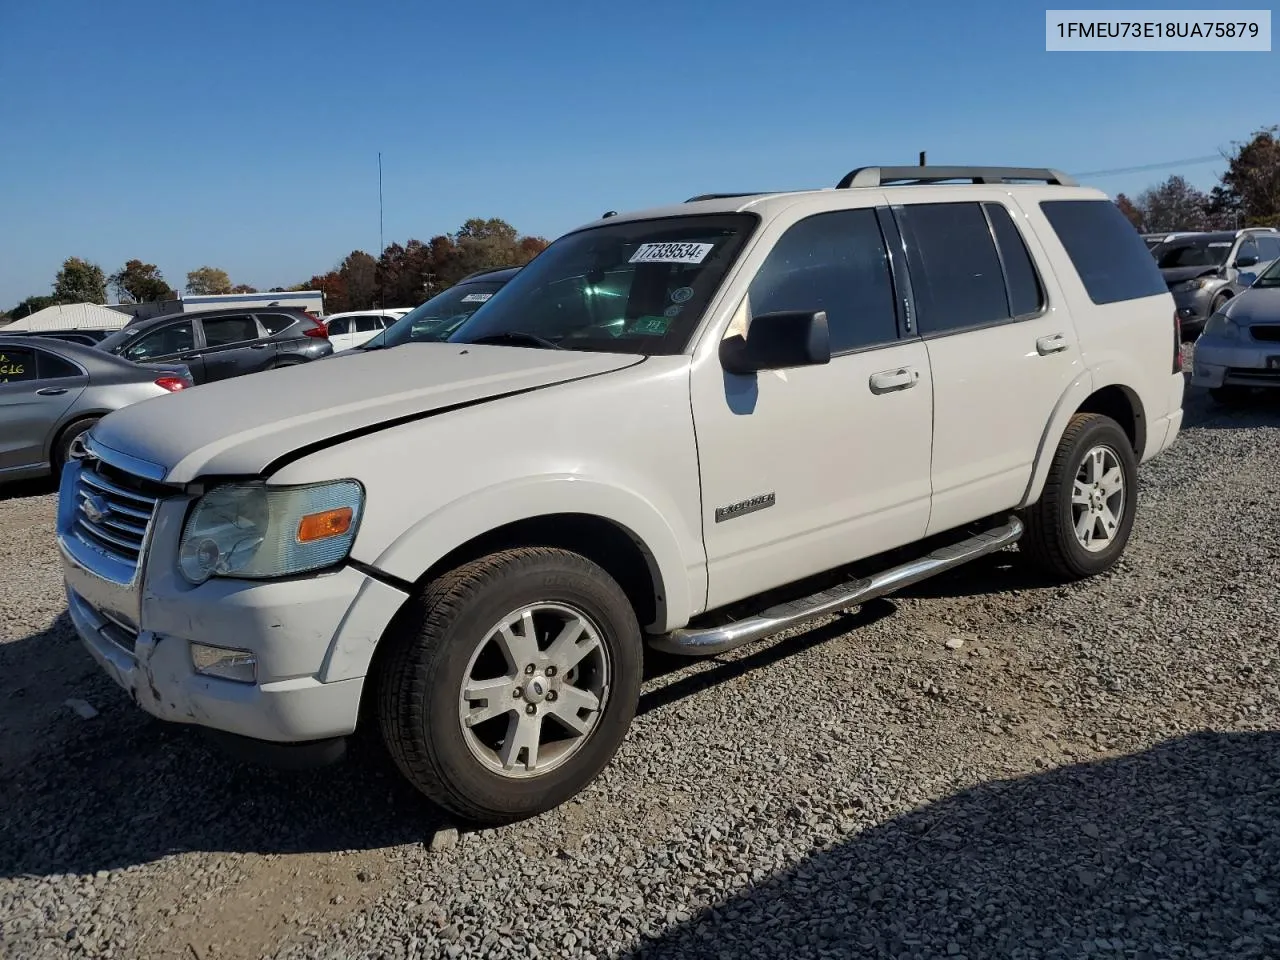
<point>1107,252</point>
<point>276,322</point>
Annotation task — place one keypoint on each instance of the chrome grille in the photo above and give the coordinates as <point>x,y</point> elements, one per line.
<point>113,511</point>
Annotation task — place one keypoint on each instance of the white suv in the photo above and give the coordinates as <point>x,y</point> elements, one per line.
<point>664,416</point>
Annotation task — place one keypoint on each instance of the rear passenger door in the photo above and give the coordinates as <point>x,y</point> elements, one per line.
<point>366,328</point>
<point>233,346</point>
<point>1001,356</point>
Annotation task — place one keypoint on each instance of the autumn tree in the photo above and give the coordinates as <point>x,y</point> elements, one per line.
<point>359,277</point>
<point>1251,183</point>
<point>207,281</point>
<point>140,283</point>
<point>1174,205</point>
<point>1132,213</point>
<point>243,288</point>
<point>333,288</point>
<point>80,281</point>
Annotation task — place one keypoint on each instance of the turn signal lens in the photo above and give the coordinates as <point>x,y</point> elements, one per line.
<point>321,526</point>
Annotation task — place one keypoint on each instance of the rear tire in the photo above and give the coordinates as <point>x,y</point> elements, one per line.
<point>1231,396</point>
<point>62,445</point>
<point>1080,525</point>
<point>553,642</point>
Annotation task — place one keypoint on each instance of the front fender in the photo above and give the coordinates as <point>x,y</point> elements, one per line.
<point>678,570</point>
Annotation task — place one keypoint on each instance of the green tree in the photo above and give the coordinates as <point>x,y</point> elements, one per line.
<point>243,288</point>
<point>1174,205</point>
<point>207,281</point>
<point>31,305</point>
<point>1251,183</point>
<point>359,276</point>
<point>80,281</point>
<point>140,282</point>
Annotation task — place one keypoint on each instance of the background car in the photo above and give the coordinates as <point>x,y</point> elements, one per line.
<point>1240,347</point>
<point>347,330</point>
<point>87,337</point>
<point>1203,270</point>
<point>445,312</point>
<point>218,344</point>
<point>52,391</point>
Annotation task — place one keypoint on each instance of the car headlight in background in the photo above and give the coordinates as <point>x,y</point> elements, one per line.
<point>1199,283</point>
<point>255,531</point>
<point>1221,326</point>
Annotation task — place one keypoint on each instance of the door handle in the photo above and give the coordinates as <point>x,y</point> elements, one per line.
<point>1051,344</point>
<point>51,391</point>
<point>189,356</point>
<point>258,346</point>
<point>886,381</point>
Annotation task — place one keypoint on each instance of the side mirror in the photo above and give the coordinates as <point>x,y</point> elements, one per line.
<point>1246,262</point>
<point>776,341</point>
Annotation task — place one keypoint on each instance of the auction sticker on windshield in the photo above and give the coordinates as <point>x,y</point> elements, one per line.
<point>476,297</point>
<point>671,253</point>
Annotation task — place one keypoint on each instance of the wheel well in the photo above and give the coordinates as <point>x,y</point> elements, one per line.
<point>62,431</point>
<point>1123,406</point>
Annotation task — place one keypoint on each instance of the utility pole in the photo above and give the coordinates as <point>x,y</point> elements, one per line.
<point>922,158</point>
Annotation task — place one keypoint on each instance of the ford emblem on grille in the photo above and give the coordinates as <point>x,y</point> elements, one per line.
<point>94,507</point>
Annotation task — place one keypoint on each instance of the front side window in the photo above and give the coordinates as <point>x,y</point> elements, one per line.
<point>1248,249</point>
<point>955,271</point>
<point>636,286</point>
<point>834,262</point>
<point>165,342</point>
<point>17,364</point>
<point>223,331</point>
<point>1269,277</point>
<point>339,326</point>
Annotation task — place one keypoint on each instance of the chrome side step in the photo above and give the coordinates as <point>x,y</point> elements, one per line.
<point>713,640</point>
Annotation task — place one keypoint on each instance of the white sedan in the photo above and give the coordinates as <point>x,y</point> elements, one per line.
<point>1240,346</point>
<point>347,330</point>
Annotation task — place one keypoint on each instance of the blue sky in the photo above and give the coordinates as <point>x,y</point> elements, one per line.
<point>245,135</point>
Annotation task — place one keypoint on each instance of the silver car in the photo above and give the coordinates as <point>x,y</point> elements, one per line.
<point>52,391</point>
<point>1240,346</point>
<point>1205,270</point>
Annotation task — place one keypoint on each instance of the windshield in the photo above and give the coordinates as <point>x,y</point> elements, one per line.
<point>1269,277</point>
<point>630,287</point>
<point>438,317</point>
<point>112,342</point>
<point>1192,253</point>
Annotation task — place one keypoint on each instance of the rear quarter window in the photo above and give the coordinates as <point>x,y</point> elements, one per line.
<point>1106,251</point>
<point>276,322</point>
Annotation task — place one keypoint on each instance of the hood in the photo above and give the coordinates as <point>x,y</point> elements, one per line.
<point>1174,275</point>
<point>1255,305</point>
<point>239,426</point>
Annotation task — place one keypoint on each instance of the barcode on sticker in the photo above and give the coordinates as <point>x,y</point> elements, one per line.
<point>671,253</point>
<point>476,297</point>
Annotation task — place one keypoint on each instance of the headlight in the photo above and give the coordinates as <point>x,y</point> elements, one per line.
<point>255,531</point>
<point>1221,326</point>
<point>1197,284</point>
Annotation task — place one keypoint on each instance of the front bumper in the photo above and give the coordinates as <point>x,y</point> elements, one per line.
<point>1235,363</point>
<point>1194,305</point>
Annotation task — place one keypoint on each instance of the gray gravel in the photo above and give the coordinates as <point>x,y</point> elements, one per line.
<point>1090,771</point>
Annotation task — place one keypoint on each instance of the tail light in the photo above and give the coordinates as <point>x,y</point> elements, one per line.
<point>318,331</point>
<point>1177,343</point>
<point>172,384</point>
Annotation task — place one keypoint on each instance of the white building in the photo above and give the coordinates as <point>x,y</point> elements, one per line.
<point>71,316</point>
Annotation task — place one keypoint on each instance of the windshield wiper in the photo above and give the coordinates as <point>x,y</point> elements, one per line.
<point>518,336</point>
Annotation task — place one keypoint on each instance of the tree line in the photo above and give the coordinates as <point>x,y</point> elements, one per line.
<point>403,275</point>
<point>1246,195</point>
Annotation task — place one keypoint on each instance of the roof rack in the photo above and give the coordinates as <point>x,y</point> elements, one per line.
<point>727,196</point>
<point>883,176</point>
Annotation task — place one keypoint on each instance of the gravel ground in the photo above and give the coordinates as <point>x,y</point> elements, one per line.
<point>1088,771</point>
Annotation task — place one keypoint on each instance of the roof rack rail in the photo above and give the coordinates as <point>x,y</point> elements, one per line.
<point>727,196</point>
<point>883,176</point>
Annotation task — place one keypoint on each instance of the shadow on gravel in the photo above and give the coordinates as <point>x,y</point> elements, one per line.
<point>21,489</point>
<point>1174,851</point>
<point>120,789</point>
<point>1201,412</point>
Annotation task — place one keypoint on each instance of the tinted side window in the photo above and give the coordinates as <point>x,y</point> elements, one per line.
<point>1270,247</point>
<point>220,331</point>
<point>175,338</point>
<point>368,324</point>
<point>276,322</point>
<point>1248,249</point>
<point>1026,296</point>
<point>834,262</point>
<point>340,326</point>
<point>52,366</point>
<point>955,272</point>
<point>1108,254</point>
<point>17,364</point>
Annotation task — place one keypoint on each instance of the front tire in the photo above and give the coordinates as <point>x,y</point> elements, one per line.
<point>511,683</point>
<point>62,446</point>
<point>1082,521</point>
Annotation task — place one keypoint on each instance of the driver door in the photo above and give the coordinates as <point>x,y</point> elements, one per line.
<point>171,343</point>
<point>807,469</point>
